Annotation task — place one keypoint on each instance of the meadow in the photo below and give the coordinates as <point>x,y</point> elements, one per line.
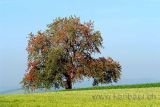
<point>140,95</point>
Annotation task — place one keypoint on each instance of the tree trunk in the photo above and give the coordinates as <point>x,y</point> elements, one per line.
<point>68,84</point>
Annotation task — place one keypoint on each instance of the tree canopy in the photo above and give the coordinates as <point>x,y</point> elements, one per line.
<point>63,54</point>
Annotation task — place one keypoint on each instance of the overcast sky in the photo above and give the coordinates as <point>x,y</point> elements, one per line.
<point>130,29</point>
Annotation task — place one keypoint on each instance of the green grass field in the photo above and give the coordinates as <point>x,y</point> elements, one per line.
<point>140,95</point>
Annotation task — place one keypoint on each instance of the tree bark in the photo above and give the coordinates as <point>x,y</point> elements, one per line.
<point>68,84</point>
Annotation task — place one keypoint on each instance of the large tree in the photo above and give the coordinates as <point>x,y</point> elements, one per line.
<point>63,54</point>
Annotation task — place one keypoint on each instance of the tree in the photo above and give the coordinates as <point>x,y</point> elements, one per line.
<point>62,55</point>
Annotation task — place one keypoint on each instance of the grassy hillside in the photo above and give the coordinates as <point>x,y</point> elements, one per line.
<point>126,96</point>
<point>145,85</point>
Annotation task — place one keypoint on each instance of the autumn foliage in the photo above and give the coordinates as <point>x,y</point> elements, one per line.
<point>63,55</point>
